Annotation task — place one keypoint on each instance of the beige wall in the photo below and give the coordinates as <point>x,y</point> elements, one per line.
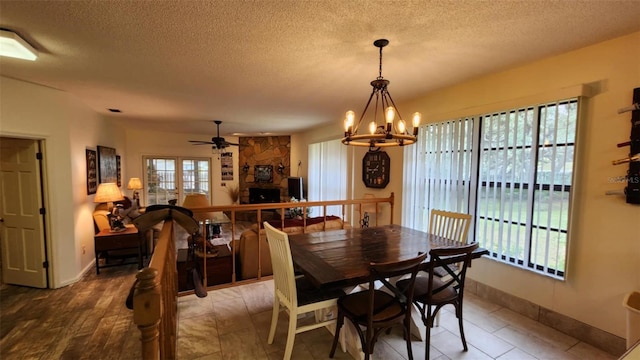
<point>604,260</point>
<point>141,143</point>
<point>67,128</point>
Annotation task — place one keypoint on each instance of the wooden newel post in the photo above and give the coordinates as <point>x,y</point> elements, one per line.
<point>147,310</point>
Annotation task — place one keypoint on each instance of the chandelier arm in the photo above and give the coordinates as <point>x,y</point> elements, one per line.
<point>375,111</point>
<point>394,106</point>
<point>355,129</point>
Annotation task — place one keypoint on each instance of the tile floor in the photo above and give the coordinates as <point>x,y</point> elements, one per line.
<point>233,323</point>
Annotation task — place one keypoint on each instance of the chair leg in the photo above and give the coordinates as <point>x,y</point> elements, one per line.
<point>459,316</point>
<point>368,345</point>
<point>291,334</point>
<point>427,339</point>
<point>339,323</point>
<point>274,319</point>
<point>407,336</point>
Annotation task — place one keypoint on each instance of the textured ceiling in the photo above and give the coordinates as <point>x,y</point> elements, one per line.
<point>281,67</point>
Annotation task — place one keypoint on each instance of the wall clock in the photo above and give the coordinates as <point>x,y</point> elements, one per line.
<point>375,169</point>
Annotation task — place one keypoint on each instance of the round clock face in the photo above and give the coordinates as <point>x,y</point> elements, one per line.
<point>375,169</point>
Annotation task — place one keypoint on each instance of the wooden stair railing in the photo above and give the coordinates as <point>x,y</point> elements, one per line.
<point>155,300</point>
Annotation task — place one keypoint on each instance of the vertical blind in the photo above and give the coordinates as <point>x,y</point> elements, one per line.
<point>327,173</point>
<point>440,164</point>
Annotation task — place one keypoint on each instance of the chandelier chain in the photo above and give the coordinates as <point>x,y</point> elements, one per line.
<point>380,66</point>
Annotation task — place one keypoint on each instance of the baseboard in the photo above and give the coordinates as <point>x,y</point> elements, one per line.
<point>593,336</point>
<point>91,266</point>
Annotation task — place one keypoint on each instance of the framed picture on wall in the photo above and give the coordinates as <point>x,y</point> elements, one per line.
<point>107,166</point>
<point>226,162</point>
<point>263,173</point>
<point>118,171</point>
<point>92,171</point>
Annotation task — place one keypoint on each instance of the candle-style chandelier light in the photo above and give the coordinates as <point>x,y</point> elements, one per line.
<point>390,131</point>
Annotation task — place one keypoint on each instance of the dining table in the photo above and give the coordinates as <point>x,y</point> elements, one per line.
<point>341,258</point>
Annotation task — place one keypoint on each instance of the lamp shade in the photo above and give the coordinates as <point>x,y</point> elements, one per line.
<point>108,192</point>
<point>195,201</point>
<point>192,201</point>
<point>134,184</point>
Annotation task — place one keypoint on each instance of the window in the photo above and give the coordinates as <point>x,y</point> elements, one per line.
<point>328,173</point>
<point>163,181</point>
<point>512,170</point>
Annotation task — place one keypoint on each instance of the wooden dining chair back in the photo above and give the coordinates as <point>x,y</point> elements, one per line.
<point>296,294</point>
<point>431,292</point>
<point>379,309</point>
<point>449,225</point>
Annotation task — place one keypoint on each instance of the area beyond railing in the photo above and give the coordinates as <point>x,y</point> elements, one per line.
<point>348,209</point>
<point>155,292</point>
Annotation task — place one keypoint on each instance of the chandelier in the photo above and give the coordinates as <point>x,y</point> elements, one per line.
<point>390,132</point>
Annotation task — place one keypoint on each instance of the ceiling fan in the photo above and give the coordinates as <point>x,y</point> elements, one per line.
<point>217,141</point>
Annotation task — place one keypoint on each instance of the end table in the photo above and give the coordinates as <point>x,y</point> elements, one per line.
<point>106,241</point>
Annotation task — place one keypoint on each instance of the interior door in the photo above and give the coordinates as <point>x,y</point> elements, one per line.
<point>22,226</point>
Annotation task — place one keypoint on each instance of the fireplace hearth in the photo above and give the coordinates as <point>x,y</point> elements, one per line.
<point>262,196</point>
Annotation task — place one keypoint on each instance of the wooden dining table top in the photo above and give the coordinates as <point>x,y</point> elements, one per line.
<point>342,257</point>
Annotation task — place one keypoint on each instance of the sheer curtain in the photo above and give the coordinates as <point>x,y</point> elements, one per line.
<point>327,174</point>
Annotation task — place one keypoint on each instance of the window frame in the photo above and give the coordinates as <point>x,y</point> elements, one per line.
<point>179,181</point>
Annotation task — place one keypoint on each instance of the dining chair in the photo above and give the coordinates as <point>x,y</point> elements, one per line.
<point>431,292</point>
<point>296,294</point>
<point>380,309</point>
<point>452,226</point>
<point>449,225</point>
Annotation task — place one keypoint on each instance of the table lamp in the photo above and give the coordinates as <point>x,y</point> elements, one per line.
<point>135,184</point>
<point>108,193</point>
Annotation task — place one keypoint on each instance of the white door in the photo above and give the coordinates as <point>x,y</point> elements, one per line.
<point>22,225</point>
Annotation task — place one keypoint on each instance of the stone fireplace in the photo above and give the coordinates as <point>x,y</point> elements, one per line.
<point>272,152</point>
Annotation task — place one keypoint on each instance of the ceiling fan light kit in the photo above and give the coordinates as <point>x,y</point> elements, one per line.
<point>389,132</point>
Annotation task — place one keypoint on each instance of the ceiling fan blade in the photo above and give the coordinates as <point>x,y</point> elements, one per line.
<point>234,144</point>
<point>198,142</point>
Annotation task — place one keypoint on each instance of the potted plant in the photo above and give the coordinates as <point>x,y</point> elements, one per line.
<point>234,193</point>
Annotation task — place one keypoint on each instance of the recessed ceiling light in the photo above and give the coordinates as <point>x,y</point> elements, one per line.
<point>14,46</point>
